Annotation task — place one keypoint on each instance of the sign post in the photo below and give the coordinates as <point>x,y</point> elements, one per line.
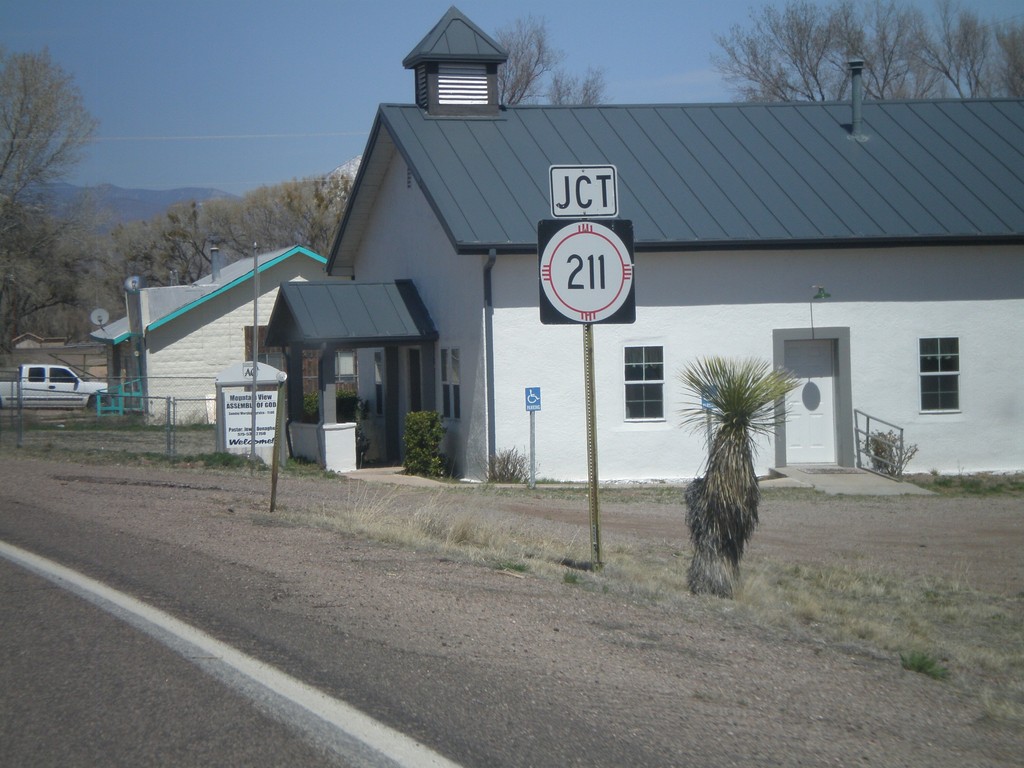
<point>592,476</point>
<point>586,277</point>
<point>532,406</point>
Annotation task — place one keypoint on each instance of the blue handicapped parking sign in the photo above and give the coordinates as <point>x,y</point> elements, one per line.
<point>533,398</point>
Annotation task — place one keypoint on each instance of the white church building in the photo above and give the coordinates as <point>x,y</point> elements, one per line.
<point>875,249</point>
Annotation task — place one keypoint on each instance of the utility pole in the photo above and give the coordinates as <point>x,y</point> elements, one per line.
<point>255,348</point>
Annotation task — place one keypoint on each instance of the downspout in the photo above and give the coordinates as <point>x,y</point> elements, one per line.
<point>489,353</point>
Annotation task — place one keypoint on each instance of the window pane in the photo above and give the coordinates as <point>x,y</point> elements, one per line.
<point>644,364</point>
<point>644,401</point>
<point>634,355</point>
<point>454,366</point>
<point>929,347</point>
<point>456,402</point>
<point>446,399</point>
<point>940,393</point>
<point>634,372</point>
<point>653,355</point>
<point>444,365</point>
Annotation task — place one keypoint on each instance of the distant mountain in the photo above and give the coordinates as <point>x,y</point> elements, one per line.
<point>123,205</point>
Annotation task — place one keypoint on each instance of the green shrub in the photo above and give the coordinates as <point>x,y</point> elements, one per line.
<point>923,663</point>
<point>422,440</point>
<point>311,407</point>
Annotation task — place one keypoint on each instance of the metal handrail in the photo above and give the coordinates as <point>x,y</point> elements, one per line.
<point>864,438</point>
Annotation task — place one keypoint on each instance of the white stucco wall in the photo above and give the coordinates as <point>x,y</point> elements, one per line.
<point>403,240</point>
<point>729,304</point>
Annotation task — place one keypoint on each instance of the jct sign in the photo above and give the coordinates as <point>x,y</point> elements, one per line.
<point>586,272</point>
<point>579,191</point>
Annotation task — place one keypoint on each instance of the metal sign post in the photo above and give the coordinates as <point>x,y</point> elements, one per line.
<point>532,406</point>
<point>596,560</point>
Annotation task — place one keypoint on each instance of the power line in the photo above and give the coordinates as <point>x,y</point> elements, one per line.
<point>231,137</point>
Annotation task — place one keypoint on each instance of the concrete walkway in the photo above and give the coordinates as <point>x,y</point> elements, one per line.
<point>393,475</point>
<point>834,480</point>
<point>826,478</point>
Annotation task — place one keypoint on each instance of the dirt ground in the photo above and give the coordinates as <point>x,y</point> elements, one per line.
<point>677,669</point>
<point>977,540</point>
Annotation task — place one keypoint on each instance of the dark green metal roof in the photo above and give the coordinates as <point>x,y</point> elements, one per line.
<point>717,176</point>
<point>455,39</point>
<point>352,314</point>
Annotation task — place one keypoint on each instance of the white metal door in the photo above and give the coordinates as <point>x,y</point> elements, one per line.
<point>810,410</point>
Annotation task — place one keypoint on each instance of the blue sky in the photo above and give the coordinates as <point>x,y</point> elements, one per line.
<point>236,94</point>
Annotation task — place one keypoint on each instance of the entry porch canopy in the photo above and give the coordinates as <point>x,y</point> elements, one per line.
<point>340,314</point>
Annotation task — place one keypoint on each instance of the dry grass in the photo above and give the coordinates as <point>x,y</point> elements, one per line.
<point>978,638</point>
<point>434,521</point>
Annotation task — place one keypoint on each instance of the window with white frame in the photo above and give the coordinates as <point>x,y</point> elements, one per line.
<point>645,383</point>
<point>940,373</point>
<point>451,407</point>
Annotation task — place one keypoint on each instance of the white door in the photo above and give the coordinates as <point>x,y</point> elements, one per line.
<point>810,411</point>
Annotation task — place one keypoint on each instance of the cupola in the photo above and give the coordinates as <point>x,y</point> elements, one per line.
<point>456,67</point>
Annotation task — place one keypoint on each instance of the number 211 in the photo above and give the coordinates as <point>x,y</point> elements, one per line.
<point>579,260</point>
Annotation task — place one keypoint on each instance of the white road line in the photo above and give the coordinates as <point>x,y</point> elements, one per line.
<point>245,673</point>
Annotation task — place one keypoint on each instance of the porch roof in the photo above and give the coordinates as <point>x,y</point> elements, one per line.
<point>349,314</point>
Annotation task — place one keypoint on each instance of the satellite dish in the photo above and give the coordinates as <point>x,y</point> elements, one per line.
<point>99,316</point>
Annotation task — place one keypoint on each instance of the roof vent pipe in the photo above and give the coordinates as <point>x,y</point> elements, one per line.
<point>216,263</point>
<point>857,95</point>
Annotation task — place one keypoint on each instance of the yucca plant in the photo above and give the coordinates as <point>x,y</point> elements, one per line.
<point>738,399</point>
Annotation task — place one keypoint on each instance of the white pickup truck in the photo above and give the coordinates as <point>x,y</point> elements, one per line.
<point>47,386</point>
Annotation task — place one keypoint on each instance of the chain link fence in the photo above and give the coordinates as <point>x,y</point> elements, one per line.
<point>172,416</point>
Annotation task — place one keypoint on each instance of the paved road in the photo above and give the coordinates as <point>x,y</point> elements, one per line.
<point>82,688</point>
<point>86,682</point>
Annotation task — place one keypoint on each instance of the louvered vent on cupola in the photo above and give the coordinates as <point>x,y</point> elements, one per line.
<point>456,68</point>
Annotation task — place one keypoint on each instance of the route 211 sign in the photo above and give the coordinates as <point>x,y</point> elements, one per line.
<point>586,271</point>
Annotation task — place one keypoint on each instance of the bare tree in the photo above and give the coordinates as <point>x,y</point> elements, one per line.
<point>43,125</point>
<point>799,52</point>
<point>959,51</point>
<point>533,69</point>
<point>572,89</point>
<point>1010,73</point>
<point>530,59</point>
<point>175,247</point>
<point>786,55</point>
<point>891,36</point>
<point>43,129</point>
<point>304,212</point>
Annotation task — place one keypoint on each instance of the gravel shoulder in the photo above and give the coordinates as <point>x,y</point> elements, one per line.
<point>682,681</point>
